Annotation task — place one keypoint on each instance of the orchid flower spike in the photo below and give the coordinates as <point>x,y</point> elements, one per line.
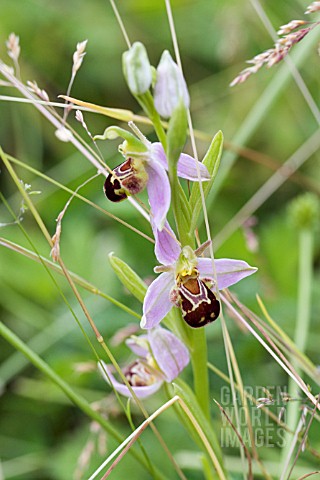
<point>161,358</point>
<point>145,165</point>
<point>187,282</point>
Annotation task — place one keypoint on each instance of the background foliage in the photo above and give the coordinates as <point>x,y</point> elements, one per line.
<point>41,433</point>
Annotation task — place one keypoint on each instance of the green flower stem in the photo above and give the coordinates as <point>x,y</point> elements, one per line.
<point>306,240</point>
<point>176,137</point>
<point>147,103</point>
<point>157,125</point>
<point>200,372</point>
<point>195,339</point>
<point>197,336</point>
<point>180,219</point>
<point>75,398</point>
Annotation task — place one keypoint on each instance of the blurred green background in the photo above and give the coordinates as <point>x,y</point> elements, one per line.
<point>42,434</point>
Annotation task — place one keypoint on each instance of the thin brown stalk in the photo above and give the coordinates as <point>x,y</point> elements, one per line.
<point>293,444</point>
<point>304,439</point>
<point>286,342</point>
<point>282,341</point>
<point>252,318</point>
<point>74,138</point>
<point>244,402</point>
<point>231,369</point>
<point>80,197</point>
<point>76,278</point>
<point>122,454</point>
<point>246,451</point>
<point>134,436</point>
<point>297,379</point>
<point>127,115</point>
<point>265,409</point>
<point>55,251</point>
<point>308,475</point>
<point>273,164</point>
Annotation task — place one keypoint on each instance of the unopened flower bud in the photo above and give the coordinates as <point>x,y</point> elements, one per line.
<point>137,69</point>
<point>170,87</point>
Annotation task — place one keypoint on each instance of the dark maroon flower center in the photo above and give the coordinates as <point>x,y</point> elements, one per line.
<point>125,180</point>
<point>198,303</point>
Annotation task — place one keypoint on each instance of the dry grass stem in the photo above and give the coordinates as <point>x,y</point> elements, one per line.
<point>282,363</point>
<point>246,451</point>
<point>293,445</point>
<point>130,440</point>
<point>304,439</point>
<point>55,251</point>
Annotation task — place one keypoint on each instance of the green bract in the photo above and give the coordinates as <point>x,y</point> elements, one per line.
<point>212,162</point>
<point>128,277</point>
<point>177,133</point>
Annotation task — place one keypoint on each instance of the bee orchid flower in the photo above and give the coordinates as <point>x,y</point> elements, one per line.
<point>161,356</point>
<point>188,282</point>
<point>146,165</point>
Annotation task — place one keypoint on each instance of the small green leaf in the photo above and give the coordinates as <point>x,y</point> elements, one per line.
<point>212,162</point>
<point>128,277</point>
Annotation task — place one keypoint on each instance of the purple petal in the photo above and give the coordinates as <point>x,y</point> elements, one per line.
<point>141,392</point>
<point>169,352</point>
<point>229,271</point>
<point>157,303</point>
<point>136,346</point>
<point>167,248</point>
<point>159,192</point>
<point>158,155</point>
<point>187,168</point>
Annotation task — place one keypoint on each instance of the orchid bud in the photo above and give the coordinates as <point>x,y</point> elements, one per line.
<point>137,69</point>
<point>170,87</point>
